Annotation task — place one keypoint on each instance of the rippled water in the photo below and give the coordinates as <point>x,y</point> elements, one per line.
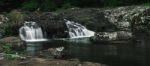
<point>116,54</point>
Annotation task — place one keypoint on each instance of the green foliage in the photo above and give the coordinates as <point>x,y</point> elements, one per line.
<point>31,5</point>
<point>146,4</point>
<point>16,19</point>
<point>52,5</point>
<point>48,5</point>
<point>111,3</point>
<point>67,5</point>
<point>10,53</point>
<point>63,8</point>
<point>8,49</point>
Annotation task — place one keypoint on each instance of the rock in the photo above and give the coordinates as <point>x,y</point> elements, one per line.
<point>74,59</point>
<point>5,56</point>
<point>1,33</point>
<point>1,48</point>
<point>124,35</point>
<point>111,36</point>
<point>2,56</point>
<point>16,55</point>
<point>9,39</point>
<point>53,53</point>
<point>15,42</point>
<point>127,18</point>
<point>54,26</point>
<point>43,62</point>
<point>24,62</point>
<point>91,64</point>
<point>38,59</point>
<point>3,19</point>
<point>92,18</point>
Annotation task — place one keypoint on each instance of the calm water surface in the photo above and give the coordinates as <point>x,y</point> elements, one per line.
<point>119,54</point>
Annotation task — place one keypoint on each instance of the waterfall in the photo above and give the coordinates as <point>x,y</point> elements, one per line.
<point>76,30</point>
<point>30,31</point>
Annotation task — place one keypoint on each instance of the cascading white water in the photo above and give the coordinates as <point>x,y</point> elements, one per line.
<point>31,32</point>
<point>76,30</point>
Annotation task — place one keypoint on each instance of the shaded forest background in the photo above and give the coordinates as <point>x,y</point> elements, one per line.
<point>53,5</point>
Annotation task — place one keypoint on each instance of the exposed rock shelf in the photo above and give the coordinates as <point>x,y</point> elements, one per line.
<point>45,62</point>
<point>128,18</point>
<point>111,36</point>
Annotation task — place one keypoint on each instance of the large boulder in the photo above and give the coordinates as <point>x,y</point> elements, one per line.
<point>127,18</point>
<point>57,52</point>
<point>15,43</point>
<point>92,18</point>
<point>55,27</point>
<point>111,36</point>
<point>130,18</point>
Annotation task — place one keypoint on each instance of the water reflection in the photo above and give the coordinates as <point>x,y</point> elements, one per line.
<point>33,48</point>
<point>120,54</point>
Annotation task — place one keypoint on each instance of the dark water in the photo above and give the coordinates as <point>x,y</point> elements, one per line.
<point>116,54</point>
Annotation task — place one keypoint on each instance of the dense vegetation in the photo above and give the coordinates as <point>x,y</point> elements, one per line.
<point>51,5</point>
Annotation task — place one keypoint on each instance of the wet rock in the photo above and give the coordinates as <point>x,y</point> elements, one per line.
<point>127,18</point>
<point>38,59</point>
<point>53,53</point>
<point>92,64</point>
<point>92,18</point>
<point>53,26</point>
<point>110,36</point>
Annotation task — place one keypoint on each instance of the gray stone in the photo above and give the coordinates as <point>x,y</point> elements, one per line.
<point>127,18</point>
<point>15,42</point>
<point>3,20</point>
<point>2,56</point>
<point>110,36</point>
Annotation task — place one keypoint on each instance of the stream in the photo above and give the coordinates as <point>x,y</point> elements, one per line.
<point>116,54</point>
<point>126,53</point>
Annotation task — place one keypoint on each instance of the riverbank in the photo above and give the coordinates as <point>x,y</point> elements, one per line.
<point>47,62</point>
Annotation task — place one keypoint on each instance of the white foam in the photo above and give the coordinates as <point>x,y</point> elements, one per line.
<point>76,30</point>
